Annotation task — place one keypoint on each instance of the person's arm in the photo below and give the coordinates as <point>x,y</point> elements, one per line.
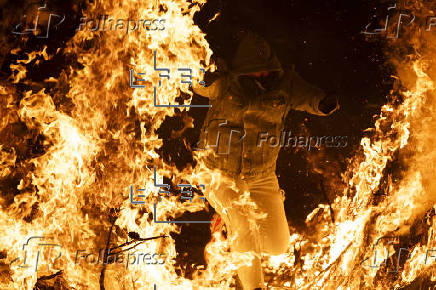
<point>215,81</point>
<point>212,92</point>
<point>308,98</point>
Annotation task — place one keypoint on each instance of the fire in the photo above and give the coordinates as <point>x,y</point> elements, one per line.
<point>101,138</point>
<point>93,152</point>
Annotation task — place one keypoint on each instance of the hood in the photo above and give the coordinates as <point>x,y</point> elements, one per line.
<point>254,55</point>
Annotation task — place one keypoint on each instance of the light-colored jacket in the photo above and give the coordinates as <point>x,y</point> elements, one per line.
<point>236,120</point>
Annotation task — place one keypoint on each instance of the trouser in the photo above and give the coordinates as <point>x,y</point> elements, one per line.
<point>245,227</point>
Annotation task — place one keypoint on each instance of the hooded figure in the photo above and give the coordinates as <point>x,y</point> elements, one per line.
<point>249,102</point>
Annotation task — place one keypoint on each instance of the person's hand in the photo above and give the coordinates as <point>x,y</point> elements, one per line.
<point>329,104</point>
<point>211,77</point>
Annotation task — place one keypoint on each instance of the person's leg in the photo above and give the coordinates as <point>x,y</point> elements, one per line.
<point>246,241</point>
<point>225,199</point>
<point>274,229</point>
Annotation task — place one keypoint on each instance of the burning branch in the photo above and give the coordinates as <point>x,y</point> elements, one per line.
<point>141,241</point>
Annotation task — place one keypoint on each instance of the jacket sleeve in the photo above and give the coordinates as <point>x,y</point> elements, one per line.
<point>212,92</point>
<point>304,96</point>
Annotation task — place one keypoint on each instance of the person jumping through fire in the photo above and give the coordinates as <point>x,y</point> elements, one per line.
<point>254,96</point>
